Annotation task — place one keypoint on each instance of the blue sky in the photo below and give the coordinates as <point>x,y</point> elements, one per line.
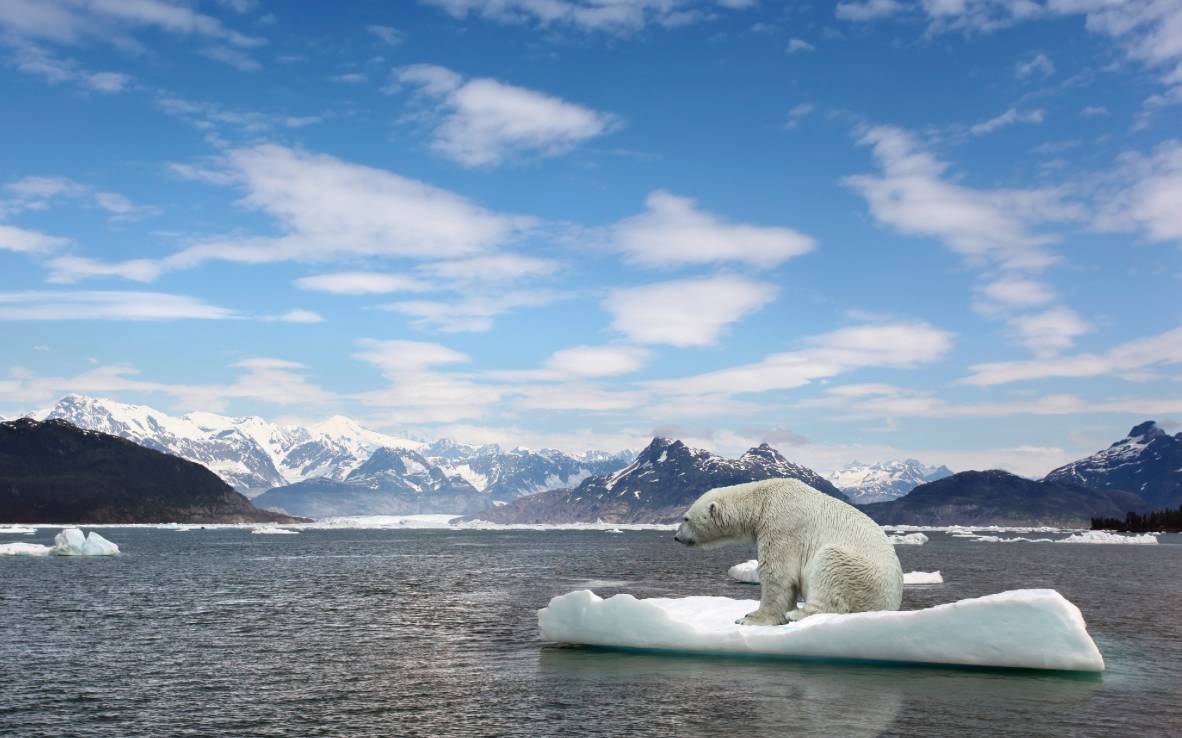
<point>946,229</point>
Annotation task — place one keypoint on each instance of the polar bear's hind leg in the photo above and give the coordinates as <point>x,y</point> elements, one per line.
<point>842,581</point>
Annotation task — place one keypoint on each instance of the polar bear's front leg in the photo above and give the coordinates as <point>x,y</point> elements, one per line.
<point>776,598</point>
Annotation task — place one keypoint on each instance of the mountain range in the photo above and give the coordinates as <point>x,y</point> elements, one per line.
<point>1148,461</point>
<point>658,486</point>
<point>54,472</point>
<point>885,480</point>
<point>997,497</point>
<point>254,455</point>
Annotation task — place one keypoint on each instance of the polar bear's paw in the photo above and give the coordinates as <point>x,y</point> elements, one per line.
<point>761,618</point>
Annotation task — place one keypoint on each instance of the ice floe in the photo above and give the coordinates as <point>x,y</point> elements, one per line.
<point>909,539</point>
<point>274,532</point>
<point>70,542</point>
<point>1027,628</point>
<point>16,530</point>
<point>922,577</point>
<point>1104,536</point>
<point>748,573</point>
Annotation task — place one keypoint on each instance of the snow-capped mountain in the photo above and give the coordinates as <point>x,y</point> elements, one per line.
<point>507,475</point>
<point>1147,462</point>
<point>393,481</point>
<point>885,480</point>
<point>249,453</point>
<point>656,487</point>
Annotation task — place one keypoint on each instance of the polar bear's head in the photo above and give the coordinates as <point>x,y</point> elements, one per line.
<point>716,519</point>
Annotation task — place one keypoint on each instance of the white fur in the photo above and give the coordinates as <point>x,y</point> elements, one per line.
<point>810,547</point>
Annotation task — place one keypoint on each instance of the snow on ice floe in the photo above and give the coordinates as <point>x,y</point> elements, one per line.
<point>1026,629</point>
<point>70,542</point>
<point>16,530</point>
<point>909,539</point>
<point>748,573</point>
<point>1104,536</point>
<point>274,531</point>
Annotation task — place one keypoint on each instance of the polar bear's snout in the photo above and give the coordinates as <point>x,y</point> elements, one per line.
<point>684,534</point>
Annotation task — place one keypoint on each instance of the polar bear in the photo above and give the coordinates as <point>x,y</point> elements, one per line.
<point>810,546</point>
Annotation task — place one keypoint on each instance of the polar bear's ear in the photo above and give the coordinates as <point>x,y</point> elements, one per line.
<point>714,510</point>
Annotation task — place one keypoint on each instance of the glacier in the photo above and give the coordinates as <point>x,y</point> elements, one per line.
<point>1022,629</point>
<point>70,542</point>
<point>748,573</point>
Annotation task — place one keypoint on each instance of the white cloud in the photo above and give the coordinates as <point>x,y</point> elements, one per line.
<point>42,193</point>
<point>386,34</point>
<point>590,15</point>
<point>70,269</point>
<point>236,58</point>
<point>597,361</point>
<point>296,316</point>
<point>893,345</point>
<point>395,357</point>
<point>34,59</point>
<point>26,241</point>
<point>330,209</point>
<point>1094,111</point>
<point>470,314</point>
<point>1016,292</point>
<point>1039,65</point>
<point>674,232</point>
<point>1051,331</point>
<point>913,195</point>
<point>483,121</point>
<point>360,283</point>
<point>799,44</point>
<point>71,22</point>
<point>106,305</point>
<point>1130,360</point>
<point>1008,118</point>
<point>1147,195</point>
<point>798,113</point>
<point>868,10</point>
<point>685,312</point>
<point>502,267</point>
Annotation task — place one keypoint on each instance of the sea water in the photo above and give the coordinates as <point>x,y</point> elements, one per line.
<point>428,632</point>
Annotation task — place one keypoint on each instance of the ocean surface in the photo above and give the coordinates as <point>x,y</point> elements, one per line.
<point>434,633</point>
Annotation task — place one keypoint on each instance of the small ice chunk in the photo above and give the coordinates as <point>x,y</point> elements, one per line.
<point>73,542</point>
<point>1104,536</point>
<point>24,549</point>
<point>274,531</point>
<point>909,539</point>
<point>613,530</point>
<point>746,572</point>
<point>1025,629</point>
<point>16,530</point>
<point>999,539</point>
<point>922,577</point>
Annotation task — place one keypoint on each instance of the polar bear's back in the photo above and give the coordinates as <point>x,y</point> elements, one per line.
<point>818,518</point>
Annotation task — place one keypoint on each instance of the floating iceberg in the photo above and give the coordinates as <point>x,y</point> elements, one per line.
<point>999,539</point>
<point>613,530</point>
<point>1103,536</point>
<point>909,539</point>
<point>16,530</point>
<point>73,542</point>
<point>70,542</point>
<point>275,532</point>
<point>748,572</point>
<point>1024,629</point>
<point>24,549</point>
<point>922,577</point>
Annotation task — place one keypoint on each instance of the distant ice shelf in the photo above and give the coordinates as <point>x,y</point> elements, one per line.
<point>16,530</point>
<point>748,573</point>
<point>1023,629</point>
<point>274,532</point>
